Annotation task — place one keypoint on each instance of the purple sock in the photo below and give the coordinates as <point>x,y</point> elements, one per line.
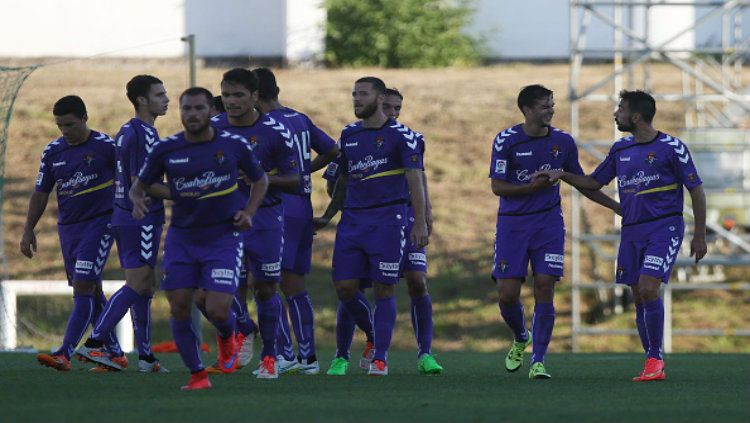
<point>421,321</point>
<point>303,323</point>
<point>140,314</point>
<point>186,340</point>
<point>345,328</point>
<point>640,324</point>
<point>359,309</point>
<point>245,324</point>
<point>226,327</point>
<point>541,328</point>
<point>284,344</point>
<point>385,320</point>
<point>78,322</point>
<point>268,321</point>
<point>514,318</point>
<point>113,312</point>
<point>653,312</point>
<point>110,338</point>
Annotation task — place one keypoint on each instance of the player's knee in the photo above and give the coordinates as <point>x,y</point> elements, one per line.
<point>346,292</point>
<point>264,291</point>
<point>292,286</point>
<point>85,288</point>
<point>382,290</point>
<point>217,313</point>
<point>648,293</point>
<point>180,311</point>
<point>417,284</point>
<point>141,280</point>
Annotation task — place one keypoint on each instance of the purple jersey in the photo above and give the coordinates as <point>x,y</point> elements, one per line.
<point>375,161</point>
<point>272,144</point>
<point>133,143</point>
<point>83,175</point>
<point>306,137</point>
<point>650,177</point>
<point>202,177</point>
<point>516,156</point>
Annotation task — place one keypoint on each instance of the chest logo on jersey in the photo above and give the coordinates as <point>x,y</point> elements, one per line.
<point>219,157</point>
<point>524,153</point>
<point>56,164</point>
<point>555,152</point>
<point>651,158</point>
<point>184,160</point>
<point>368,163</point>
<point>625,159</point>
<point>351,144</point>
<point>88,157</point>
<point>379,142</point>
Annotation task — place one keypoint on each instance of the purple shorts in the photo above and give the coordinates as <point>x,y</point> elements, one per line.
<point>263,248</point>
<point>516,245</point>
<point>211,261</point>
<point>649,249</point>
<point>298,241</point>
<point>137,246</point>
<point>415,259</point>
<point>368,252</point>
<point>85,248</point>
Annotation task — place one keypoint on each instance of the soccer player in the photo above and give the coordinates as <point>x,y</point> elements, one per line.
<point>137,241</point>
<point>203,247</point>
<point>298,229</point>
<point>80,165</point>
<point>272,143</point>
<point>381,166</point>
<point>651,168</point>
<point>529,222</point>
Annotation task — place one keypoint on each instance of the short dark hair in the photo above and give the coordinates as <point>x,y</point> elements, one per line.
<point>139,86</point>
<point>394,91</point>
<point>267,87</point>
<point>194,91</point>
<point>531,93</point>
<point>70,104</point>
<point>640,102</point>
<point>377,83</point>
<point>218,104</point>
<point>241,77</point>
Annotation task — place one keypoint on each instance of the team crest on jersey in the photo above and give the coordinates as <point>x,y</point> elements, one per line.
<point>88,157</point>
<point>555,152</point>
<point>691,177</point>
<point>253,140</point>
<point>219,157</point>
<point>379,142</point>
<point>651,158</point>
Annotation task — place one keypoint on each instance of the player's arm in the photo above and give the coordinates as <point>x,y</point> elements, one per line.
<point>37,205</point>
<point>698,243</point>
<point>428,204</point>
<point>419,234</point>
<point>503,188</point>
<point>602,199</point>
<point>156,190</point>
<point>139,197</point>
<point>243,219</point>
<point>581,182</point>
<point>338,197</point>
<point>326,148</point>
<point>321,160</point>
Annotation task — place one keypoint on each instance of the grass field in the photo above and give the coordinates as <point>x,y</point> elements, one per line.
<point>475,388</point>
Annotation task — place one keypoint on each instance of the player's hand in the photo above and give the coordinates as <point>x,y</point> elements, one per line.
<point>28,244</point>
<point>243,220</point>
<point>420,236</point>
<point>319,223</point>
<point>140,207</point>
<point>698,247</point>
<point>552,175</point>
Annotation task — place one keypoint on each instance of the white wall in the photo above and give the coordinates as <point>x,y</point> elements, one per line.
<point>305,23</point>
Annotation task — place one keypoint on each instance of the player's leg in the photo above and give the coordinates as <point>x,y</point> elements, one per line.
<point>421,318</point>
<point>295,264</point>
<point>384,251</point>
<point>185,335</point>
<point>510,263</point>
<point>628,264</point>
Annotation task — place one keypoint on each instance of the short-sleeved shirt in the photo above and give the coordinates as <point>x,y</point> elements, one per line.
<point>516,156</point>
<point>650,177</point>
<point>375,161</point>
<point>133,143</point>
<point>306,137</point>
<point>83,176</point>
<point>272,144</point>
<point>202,177</point>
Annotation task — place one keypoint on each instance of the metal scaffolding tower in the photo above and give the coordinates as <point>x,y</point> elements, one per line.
<point>712,89</point>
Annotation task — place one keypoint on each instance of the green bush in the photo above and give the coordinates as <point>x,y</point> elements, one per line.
<point>400,33</point>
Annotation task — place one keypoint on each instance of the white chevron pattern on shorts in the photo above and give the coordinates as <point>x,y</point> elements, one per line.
<point>104,244</point>
<point>147,242</point>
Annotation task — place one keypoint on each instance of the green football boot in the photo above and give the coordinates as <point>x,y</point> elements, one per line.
<point>514,359</point>
<point>339,366</point>
<point>426,365</point>
<point>538,371</point>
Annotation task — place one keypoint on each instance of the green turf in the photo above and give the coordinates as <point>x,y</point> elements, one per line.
<point>475,388</point>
